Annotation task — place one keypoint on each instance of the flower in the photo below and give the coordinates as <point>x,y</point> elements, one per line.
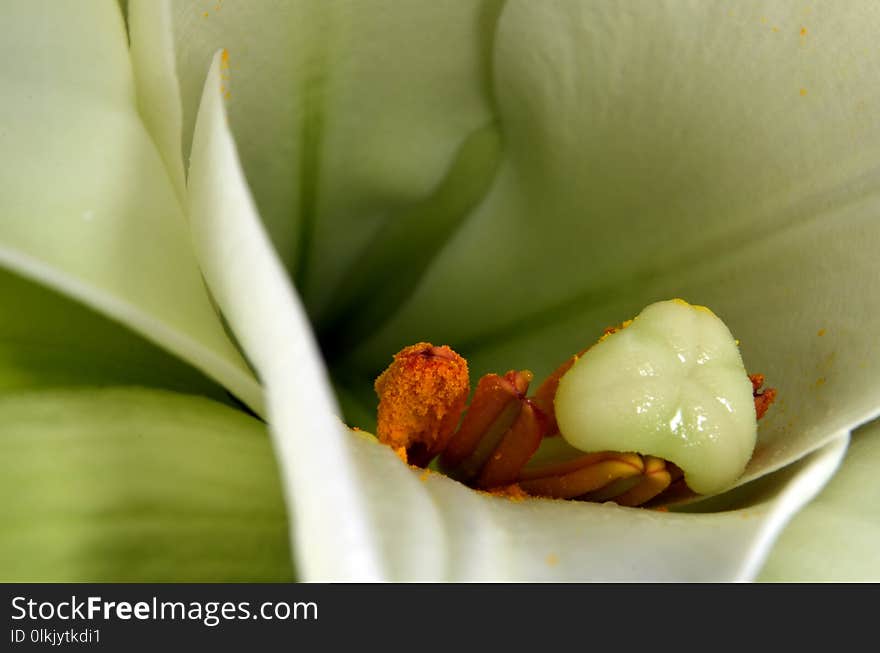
<point>506,177</point>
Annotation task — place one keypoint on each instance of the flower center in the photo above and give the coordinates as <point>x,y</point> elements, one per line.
<point>493,444</point>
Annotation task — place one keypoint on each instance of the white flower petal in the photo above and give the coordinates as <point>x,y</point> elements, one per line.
<point>360,513</point>
<point>115,485</point>
<point>835,538</point>
<point>87,205</point>
<point>332,535</point>
<point>374,97</point>
<point>158,89</point>
<point>51,341</point>
<point>669,151</point>
<point>475,536</point>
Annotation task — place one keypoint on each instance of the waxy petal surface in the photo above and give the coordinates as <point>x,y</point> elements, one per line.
<point>834,538</point>
<point>88,206</point>
<point>115,485</point>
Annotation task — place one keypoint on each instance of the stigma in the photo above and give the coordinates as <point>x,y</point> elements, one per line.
<point>658,409</point>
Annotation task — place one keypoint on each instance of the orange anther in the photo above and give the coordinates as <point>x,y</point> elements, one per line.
<point>565,467</point>
<point>518,445</point>
<point>494,409</point>
<point>654,481</point>
<point>757,381</point>
<point>421,397</point>
<point>763,398</point>
<point>592,477</point>
<point>547,393</point>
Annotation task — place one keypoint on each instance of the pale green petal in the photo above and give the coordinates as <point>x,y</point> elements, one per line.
<point>837,536</point>
<point>48,340</point>
<point>136,485</point>
<point>361,514</point>
<point>670,151</point>
<point>158,90</point>
<point>433,528</point>
<point>87,205</point>
<point>333,538</point>
<point>348,116</point>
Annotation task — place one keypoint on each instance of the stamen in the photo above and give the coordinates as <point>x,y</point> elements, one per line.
<point>632,481</point>
<point>547,392</point>
<point>564,467</point>
<point>494,408</point>
<point>421,397</point>
<point>499,433</point>
<point>678,490</point>
<point>518,445</point>
<point>610,466</point>
<point>763,399</point>
<point>655,479</point>
<point>611,491</point>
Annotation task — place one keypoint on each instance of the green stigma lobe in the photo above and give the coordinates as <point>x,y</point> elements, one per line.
<point>672,385</point>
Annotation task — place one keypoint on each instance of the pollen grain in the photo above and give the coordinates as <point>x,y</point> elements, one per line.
<point>421,397</point>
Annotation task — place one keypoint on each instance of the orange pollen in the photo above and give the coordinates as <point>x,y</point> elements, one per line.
<point>764,398</point>
<point>421,397</point>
